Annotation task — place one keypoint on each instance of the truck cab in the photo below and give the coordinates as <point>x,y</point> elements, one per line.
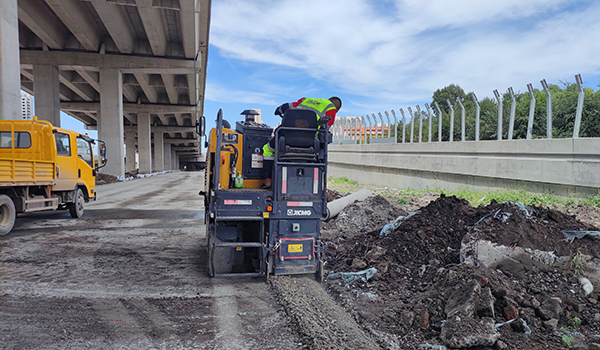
<point>74,162</point>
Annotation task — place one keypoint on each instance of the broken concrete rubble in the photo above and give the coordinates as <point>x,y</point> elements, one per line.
<point>425,285</point>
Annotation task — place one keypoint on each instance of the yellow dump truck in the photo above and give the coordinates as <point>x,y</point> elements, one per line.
<point>43,167</point>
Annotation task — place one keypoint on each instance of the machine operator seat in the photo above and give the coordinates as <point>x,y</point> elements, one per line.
<point>299,145</point>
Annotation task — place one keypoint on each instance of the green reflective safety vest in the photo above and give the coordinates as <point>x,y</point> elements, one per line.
<point>268,153</point>
<point>319,105</point>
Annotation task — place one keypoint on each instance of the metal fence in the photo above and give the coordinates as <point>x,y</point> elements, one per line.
<point>363,130</point>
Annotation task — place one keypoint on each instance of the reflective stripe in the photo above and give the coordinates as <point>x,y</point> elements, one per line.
<point>316,181</point>
<point>284,179</point>
<point>299,204</point>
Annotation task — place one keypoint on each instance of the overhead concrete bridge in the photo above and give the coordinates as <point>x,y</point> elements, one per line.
<point>135,70</point>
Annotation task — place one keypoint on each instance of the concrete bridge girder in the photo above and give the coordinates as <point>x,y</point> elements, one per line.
<point>65,52</point>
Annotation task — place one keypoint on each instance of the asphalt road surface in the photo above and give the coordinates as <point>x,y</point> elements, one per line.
<point>130,274</point>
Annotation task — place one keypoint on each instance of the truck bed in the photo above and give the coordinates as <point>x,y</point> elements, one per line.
<point>26,172</point>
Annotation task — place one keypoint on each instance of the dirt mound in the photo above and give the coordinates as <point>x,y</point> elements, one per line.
<point>333,195</point>
<point>424,295</point>
<point>103,179</point>
<point>361,217</point>
<point>533,227</point>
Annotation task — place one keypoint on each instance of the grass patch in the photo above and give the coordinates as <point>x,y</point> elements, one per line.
<point>342,181</point>
<point>475,197</point>
<point>592,201</point>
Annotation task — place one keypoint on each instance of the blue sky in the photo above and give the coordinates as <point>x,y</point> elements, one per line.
<point>387,54</point>
<point>379,55</point>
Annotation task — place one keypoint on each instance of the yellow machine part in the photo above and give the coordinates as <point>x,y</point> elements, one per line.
<point>225,169</point>
<point>226,154</point>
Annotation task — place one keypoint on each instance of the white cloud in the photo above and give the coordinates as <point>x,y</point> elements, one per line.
<point>402,51</point>
<point>218,93</point>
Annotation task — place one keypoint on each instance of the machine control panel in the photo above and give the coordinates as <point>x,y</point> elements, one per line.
<point>250,125</point>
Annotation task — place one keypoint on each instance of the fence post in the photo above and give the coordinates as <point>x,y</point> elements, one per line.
<point>579,111</point>
<point>363,130</point>
<point>548,109</point>
<point>513,106</point>
<point>462,120</point>
<point>370,129</point>
<point>383,124</point>
<point>412,124</point>
<point>439,121</point>
<point>429,117</point>
<point>499,99</point>
<point>403,125</point>
<point>451,120</point>
<point>477,116</point>
<point>376,127</point>
<point>420,123</point>
<point>387,116</point>
<point>395,126</point>
<point>531,112</point>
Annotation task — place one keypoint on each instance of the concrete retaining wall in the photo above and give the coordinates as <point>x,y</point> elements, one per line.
<point>561,166</point>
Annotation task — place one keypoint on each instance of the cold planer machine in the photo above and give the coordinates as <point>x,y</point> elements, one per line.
<point>256,232</point>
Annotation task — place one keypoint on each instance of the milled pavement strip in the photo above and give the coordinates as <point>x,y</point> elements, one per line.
<point>120,321</point>
<point>226,313</point>
<point>35,289</point>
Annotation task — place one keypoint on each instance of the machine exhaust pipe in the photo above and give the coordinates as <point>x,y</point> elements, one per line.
<point>336,206</point>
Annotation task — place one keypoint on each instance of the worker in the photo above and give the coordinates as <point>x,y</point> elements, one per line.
<point>322,107</point>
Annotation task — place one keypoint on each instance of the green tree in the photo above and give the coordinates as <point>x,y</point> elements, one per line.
<point>564,106</point>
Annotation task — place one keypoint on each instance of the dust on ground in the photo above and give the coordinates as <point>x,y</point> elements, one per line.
<point>423,296</point>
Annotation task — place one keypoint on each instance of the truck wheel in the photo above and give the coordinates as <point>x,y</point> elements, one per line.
<point>76,208</point>
<point>8,214</point>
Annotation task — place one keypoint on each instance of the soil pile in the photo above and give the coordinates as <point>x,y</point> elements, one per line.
<point>103,179</point>
<point>423,295</point>
<point>371,214</point>
<point>333,195</point>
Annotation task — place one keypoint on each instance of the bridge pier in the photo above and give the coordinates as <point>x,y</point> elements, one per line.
<point>159,151</point>
<point>46,88</point>
<point>144,142</point>
<point>10,78</point>
<point>130,151</point>
<point>167,154</point>
<point>111,128</point>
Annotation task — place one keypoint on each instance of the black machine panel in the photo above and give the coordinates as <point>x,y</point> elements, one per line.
<point>255,137</point>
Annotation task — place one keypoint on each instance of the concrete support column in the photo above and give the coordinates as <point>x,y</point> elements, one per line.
<point>168,156</point>
<point>144,142</point>
<point>176,161</point>
<point>111,128</point>
<point>46,91</point>
<point>130,151</point>
<point>10,76</point>
<point>159,151</point>
<point>173,159</point>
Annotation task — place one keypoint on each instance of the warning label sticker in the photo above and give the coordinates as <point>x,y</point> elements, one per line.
<point>257,161</point>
